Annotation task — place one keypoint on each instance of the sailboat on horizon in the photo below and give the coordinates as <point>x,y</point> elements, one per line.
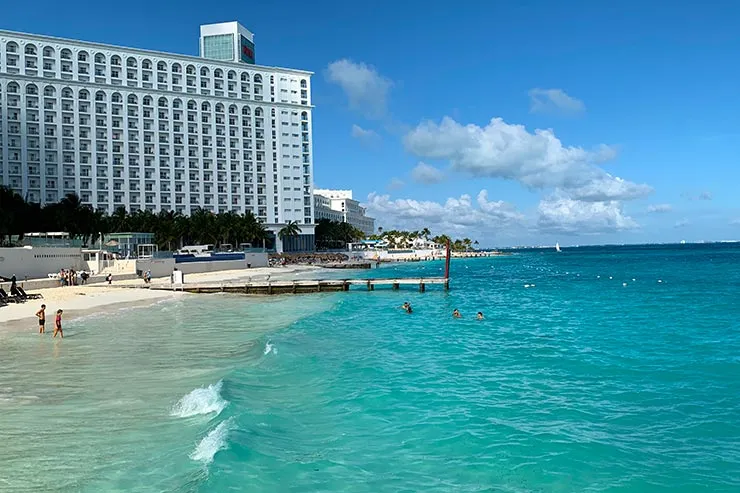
<point>557,247</point>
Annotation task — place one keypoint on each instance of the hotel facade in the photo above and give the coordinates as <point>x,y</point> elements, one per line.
<point>158,131</point>
<point>338,205</point>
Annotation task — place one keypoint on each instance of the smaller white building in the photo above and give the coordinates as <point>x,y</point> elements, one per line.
<point>338,205</point>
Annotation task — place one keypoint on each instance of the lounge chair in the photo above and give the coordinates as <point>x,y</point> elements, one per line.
<point>33,296</point>
<point>9,299</point>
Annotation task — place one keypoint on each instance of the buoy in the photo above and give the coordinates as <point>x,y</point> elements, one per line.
<point>660,280</point>
<point>624,284</point>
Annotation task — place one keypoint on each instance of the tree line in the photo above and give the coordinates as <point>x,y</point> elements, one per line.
<point>172,230</point>
<point>405,239</point>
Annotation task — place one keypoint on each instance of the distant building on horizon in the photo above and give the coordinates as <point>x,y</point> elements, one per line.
<point>148,130</point>
<point>338,205</point>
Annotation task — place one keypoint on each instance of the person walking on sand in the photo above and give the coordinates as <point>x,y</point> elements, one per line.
<point>58,325</point>
<point>109,278</point>
<point>41,314</point>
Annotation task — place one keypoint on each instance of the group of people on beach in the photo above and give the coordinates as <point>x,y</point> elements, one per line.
<point>41,314</point>
<point>455,313</point>
<point>71,277</point>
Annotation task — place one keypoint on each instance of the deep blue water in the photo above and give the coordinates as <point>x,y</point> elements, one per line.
<point>617,369</point>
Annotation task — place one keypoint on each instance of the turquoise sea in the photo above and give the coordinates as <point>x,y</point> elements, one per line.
<point>616,370</point>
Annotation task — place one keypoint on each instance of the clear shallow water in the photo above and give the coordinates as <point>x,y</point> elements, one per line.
<point>576,384</point>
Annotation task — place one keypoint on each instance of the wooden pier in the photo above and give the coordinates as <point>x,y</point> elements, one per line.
<point>299,287</point>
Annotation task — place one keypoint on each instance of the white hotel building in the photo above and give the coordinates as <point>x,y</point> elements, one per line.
<point>339,206</point>
<point>159,131</point>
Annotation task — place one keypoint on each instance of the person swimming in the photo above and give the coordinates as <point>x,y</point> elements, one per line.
<point>407,307</point>
<point>456,313</point>
<point>479,316</point>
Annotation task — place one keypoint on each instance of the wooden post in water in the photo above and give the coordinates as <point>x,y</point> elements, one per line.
<point>422,288</point>
<point>447,267</point>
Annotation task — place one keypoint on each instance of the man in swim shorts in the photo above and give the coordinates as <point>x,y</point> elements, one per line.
<point>41,314</point>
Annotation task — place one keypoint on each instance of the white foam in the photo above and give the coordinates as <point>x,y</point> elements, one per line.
<point>269,348</point>
<point>624,284</point>
<point>203,400</point>
<point>215,440</point>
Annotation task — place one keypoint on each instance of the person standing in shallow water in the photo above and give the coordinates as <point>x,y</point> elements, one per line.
<point>58,325</point>
<point>41,314</point>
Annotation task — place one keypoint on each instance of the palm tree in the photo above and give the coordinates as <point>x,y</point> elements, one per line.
<point>291,228</point>
<point>425,233</point>
<point>467,242</point>
<point>476,244</point>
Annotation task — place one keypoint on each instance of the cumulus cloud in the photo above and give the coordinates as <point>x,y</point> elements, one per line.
<point>537,160</point>
<point>395,184</point>
<point>423,173</point>
<point>557,214</point>
<point>365,136</point>
<point>554,101</point>
<point>659,208</point>
<point>366,89</point>
<point>456,214</point>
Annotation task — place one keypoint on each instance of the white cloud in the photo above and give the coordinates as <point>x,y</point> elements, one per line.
<point>690,196</point>
<point>366,136</point>
<point>554,101</point>
<point>423,173</point>
<point>705,196</point>
<point>537,160</point>
<point>681,223</point>
<point>365,88</point>
<point>455,215</point>
<point>559,214</point>
<point>395,184</point>
<point>659,208</point>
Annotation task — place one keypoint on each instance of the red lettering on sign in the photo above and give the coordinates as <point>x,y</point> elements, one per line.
<point>247,51</point>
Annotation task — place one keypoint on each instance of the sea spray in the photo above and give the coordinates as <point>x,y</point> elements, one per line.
<point>203,400</point>
<point>269,348</point>
<point>215,440</point>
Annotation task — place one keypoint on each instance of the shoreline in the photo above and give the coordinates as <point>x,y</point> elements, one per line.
<point>78,301</point>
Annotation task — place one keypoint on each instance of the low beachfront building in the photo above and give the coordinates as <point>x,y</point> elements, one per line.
<point>338,205</point>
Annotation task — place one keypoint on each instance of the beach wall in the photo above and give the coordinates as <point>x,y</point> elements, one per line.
<point>396,255</point>
<point>164,267</point>
<point>38,262</point>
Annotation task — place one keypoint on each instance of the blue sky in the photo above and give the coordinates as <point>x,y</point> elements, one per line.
<point>582,122</point>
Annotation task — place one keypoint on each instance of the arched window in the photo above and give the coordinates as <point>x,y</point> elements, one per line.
<point>192,105</point>
<point>177,104</point>
<point>116,98</point>
<point>147,101</point>
<point>218,73</point>
<point>176,68</point>
<point>66,54</point>
<point>11,47</point>
<point>99,58</point>
<point>100,96</point>
<point>190,70</point>
<point>146,64</point>
<point>245,76</point>
<point>82,56</point>
<point>162,102</point>
<point>231,75</point>
<point>32,89</point>
<point>204,71</point>
<point>132,99</point>
<point>257,79</point>
<point>219,108</point>
<point>84,95</point>
<point>48,51</point>
<point>131,62</point>
<point>13,88</point>
<point>258,112</point>
<point>115,60</point>
<point>50,91</point>
<point>30,49</point>
<point>246,111</point>
<point>161,66</point>
<point>304,84</point>
<point>205,106</point>
<point>304,116</point>
<point>232,109</point>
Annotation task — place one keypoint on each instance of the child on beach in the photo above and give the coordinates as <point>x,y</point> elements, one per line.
<point>58,325</point>
<point>41,314</point>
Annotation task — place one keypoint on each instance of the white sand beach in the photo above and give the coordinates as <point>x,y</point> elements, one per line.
<point>81,300</point>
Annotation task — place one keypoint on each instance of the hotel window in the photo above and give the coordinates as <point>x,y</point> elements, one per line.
<point>220,47</point>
